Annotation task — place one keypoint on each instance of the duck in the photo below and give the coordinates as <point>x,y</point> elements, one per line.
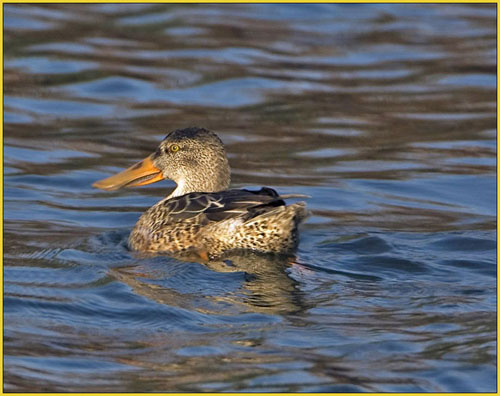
<point>203,216</point>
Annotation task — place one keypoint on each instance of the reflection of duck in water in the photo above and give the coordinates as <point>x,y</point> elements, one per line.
<point>264,284</point>
<point>201,216</point>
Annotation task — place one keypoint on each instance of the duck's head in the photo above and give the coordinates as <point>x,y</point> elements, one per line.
<point>193,157</point>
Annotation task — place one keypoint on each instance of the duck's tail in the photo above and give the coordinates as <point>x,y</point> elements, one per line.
<point>273,231</point>
<point>288,196</point>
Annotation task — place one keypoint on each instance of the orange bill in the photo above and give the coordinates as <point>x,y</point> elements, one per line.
<point>140,174</point>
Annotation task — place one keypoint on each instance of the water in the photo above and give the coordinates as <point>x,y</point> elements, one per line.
<point>384,114</point>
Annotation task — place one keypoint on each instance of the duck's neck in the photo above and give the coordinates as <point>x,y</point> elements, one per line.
<point>216,179</point>
<point>179,190</point>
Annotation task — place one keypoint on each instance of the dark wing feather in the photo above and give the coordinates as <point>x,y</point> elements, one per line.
<point>222,205</point>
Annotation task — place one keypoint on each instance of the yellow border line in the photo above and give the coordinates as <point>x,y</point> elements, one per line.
<point>255,2</point>
<point>1,207</point>
<point>239,394</point>
<point>498,190</point>
<point>247,2</point>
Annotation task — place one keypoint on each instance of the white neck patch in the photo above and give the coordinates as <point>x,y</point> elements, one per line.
<point>181,184</point>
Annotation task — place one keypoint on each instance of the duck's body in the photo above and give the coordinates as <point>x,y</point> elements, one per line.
<point>201,216</point>
<point>211,224</point>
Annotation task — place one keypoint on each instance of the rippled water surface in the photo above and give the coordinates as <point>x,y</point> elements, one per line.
<point>384,114</point>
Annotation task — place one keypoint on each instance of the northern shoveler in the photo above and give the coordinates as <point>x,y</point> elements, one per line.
<point>201,215</point>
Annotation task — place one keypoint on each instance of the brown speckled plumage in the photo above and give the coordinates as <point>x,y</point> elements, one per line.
<point>201,216</point>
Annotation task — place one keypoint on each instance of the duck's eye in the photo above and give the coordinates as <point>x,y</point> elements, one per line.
<point>174,148</point>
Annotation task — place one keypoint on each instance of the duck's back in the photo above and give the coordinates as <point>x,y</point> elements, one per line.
<point>213,223</point>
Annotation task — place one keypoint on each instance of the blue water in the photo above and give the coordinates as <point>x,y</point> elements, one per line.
<point>385,114</point>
